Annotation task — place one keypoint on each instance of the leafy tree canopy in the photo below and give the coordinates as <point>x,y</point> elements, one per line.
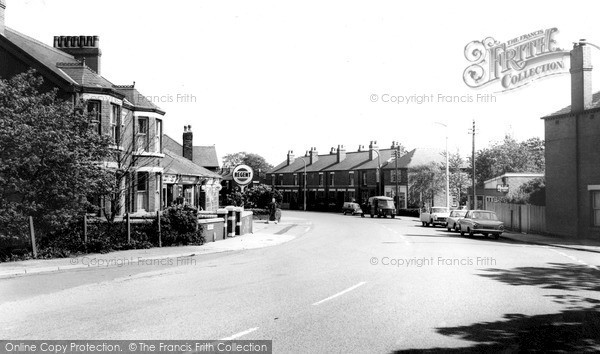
<point>49,158</point>
<point>257,162</point>
<point>509,156</point>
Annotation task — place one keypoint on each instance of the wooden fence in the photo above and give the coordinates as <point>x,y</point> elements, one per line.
<point>524,218</point>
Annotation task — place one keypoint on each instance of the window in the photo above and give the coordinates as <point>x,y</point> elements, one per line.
<point>596,208</point>
<point>158,136</point>
<point>295,179</point>
<point>321,179</point>
<point>281,180</point>
<point>364,178</point>
<point>351,178</point>
<point>94,110</point>
<point>142,134</point>
<point>115,124</point>
<point>272,180</point>
<point>331,178</point>
<point>142,191</point>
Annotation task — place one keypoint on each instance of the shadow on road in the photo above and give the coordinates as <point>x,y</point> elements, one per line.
<point>575,329</point>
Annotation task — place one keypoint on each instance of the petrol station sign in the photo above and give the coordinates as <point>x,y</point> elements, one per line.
<point>242,175</point>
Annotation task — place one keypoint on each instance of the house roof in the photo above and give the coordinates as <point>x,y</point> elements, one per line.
<point>385,156</point>
<point>60,63</point>
<point>294,166</point>
<point>175,164</point>
<point>352,160</point>
<point>567,110</point>
<point>205,156</point>
<point>417,157</point>
<point>136,98</point>
<point>322,163</point>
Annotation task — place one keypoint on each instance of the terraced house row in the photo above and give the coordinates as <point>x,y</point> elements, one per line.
<point>341,175</point>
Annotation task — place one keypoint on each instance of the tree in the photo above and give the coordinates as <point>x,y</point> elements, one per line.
<point>459,179</point>
<point>532,192</point>
<point>49,158</point>
<point>259,165</point>
<point>509,156</point>
<point>425,182</point>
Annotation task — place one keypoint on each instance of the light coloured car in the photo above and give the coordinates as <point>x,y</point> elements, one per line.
<point>352,209</point>
<point>483,222</point>
<point>452,223</point>
<point>434,216</point>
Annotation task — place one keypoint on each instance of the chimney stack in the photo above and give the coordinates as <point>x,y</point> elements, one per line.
<point>372,147</point>
<point>188,143</point>
<point>341,153</point>
<point>83,48</point>
<point>333,151</point>
<point>361,148</point>
<point>290,157</point>
<point>581,77</point>
<point>314,155</point>
<point>2,11</point>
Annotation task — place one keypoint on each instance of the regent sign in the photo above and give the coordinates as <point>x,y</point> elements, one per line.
<point>242,175</point>
<point>516,62</point>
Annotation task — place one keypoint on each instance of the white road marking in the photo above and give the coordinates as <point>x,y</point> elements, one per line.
<point>340,293</point>
<point>572,258</point>
<point>237,335</point>
<point>401,236</point>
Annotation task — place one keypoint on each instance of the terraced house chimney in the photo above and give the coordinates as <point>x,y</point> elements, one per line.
<point>581,77</point>
<point>314,155</point>
<point>2,11</point>
<point>188,143</point>
<point>372,148</point>
<point>83,48</point>
<point>341,153</point>
<point>290,157</point>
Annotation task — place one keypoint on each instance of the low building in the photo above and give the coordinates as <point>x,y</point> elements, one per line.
<point>189,175</point>
<point>501,189</point>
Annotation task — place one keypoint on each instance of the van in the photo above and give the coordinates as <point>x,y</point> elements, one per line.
<point>382,206</point>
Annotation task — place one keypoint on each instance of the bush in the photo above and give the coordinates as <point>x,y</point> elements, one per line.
<point>414,212</point>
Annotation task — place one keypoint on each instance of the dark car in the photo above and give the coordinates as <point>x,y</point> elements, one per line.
<point>382,206</point>
<point>483,222</point>
<point>352,209</point>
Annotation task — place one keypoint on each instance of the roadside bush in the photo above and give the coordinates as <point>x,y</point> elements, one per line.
<point>414,212</point>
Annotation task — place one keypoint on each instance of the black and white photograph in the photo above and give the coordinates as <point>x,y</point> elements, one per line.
<point>265,176</point>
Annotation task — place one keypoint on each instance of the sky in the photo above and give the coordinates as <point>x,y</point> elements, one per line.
<point>271,76</point>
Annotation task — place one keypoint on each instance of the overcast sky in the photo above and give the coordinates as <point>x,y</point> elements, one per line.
<point>273,76</point>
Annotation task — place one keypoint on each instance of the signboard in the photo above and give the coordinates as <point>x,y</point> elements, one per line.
<point>502,188</point>
<point>169,179</point>
<point>242,175</point>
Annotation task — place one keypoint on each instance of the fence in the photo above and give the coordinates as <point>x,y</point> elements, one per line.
<point>215,225</point>
<point>524,218</point>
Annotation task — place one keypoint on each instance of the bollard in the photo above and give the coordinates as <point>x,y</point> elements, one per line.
<point>222,213</point>
<point>230,221</point>
<point>238,221</point>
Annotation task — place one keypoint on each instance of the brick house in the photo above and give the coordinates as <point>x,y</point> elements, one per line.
<point>73,66</point>
<point>572,160</point>
<point>341,175</point>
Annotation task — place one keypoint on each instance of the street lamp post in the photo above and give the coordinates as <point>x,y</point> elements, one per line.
<point>447,168</point>
<point>378,172</point>
<point>304,191</point>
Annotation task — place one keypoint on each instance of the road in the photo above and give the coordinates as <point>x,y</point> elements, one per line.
<point>349,284</point>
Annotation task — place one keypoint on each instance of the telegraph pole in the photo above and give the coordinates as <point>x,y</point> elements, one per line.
<point>473,163</point>
<point>397,155</point>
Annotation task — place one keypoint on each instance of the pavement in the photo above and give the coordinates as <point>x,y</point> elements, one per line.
<point>264,235</point>
<point>588,245</point>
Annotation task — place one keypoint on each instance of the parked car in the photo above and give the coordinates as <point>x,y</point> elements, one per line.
<point>382,206</point>
<point>434,216</point>
<point>483,222</point>
<point>454,218</point>
<point>353,209</point>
